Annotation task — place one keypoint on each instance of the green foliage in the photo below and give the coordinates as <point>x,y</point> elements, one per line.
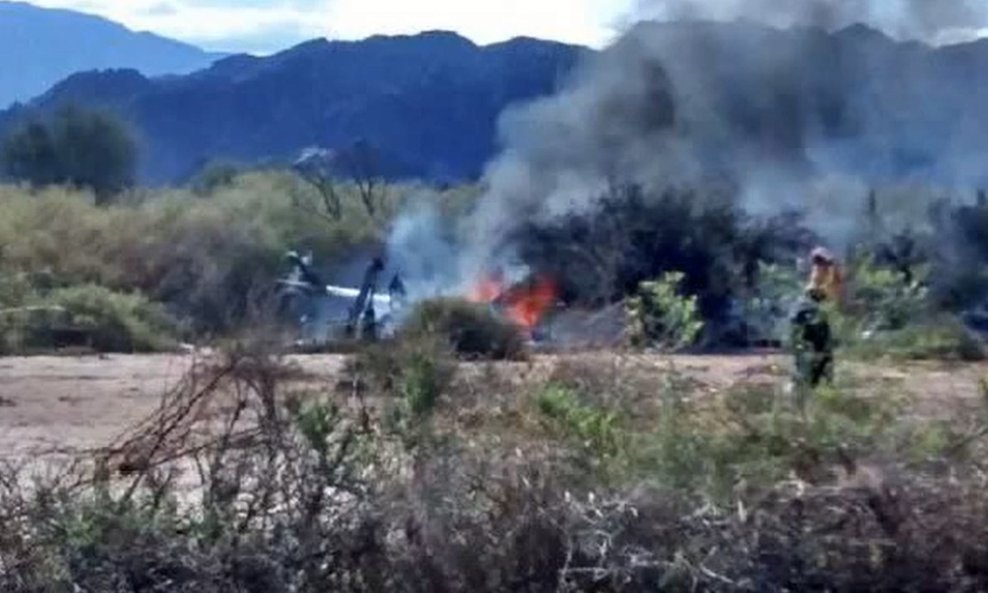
<point>316,423</point>
<point>759,438</point>
<point>596,430</point>
<point>889,317</point>
<point>659,317</point>
<point>210,262</point>
<point>85,149</point>
<point>111,321</point>
<point>684,449</point>
<point>472,330</point>
<point>884,300</point>
<point>30,155</point>
<point>714,494</point>
<point>416,371</point>
<point>15,290</point>
<point>84,316</point>
<point>423,380</point>
<point>721,450</point>
<point>940,337</point>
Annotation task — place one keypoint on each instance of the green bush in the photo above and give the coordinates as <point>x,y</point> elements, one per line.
<point>596,430</point>
<point>889,317</point>
<point>15,290</point>
<point>210,262</point>
<point>423,379</point>
<point>107,320</point>
<point>937,338</point>
<point>883,300</point>
<point>658,316</point>
<point>416,371</point>
<point>472,331</point>
<point>81,316</point>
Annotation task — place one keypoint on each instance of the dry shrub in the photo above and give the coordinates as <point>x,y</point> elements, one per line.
<point>855,537</point>
<point>304,494</point>
<point>203,258</point>
<point>412,373</point>
<point>472,330</point>
<point>87,316</point>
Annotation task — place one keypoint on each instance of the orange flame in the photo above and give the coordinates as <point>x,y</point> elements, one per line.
<point>527,303</point>
<point>524,304</point>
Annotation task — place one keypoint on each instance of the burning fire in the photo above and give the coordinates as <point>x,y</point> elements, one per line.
<point>524,304</point>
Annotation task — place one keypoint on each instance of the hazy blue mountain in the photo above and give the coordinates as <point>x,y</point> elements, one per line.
<point>39,47</point>
<point>851,101</point>
<point>429,103</point>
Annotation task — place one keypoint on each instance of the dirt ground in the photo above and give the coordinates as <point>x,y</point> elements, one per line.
<point>50,404</point>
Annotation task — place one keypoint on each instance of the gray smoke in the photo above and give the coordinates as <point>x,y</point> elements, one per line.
<point>926,20</point>
<point>784,119</point>
<point>422,250</point>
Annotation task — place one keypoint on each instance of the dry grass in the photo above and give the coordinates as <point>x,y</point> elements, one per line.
<point>584,476</point>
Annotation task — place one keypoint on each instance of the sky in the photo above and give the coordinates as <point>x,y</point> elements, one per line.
<point>265,26</point>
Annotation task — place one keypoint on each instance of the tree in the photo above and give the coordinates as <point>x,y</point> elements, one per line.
<point>96,151</point>
<point>361,164</point>
<point>88,149</point>
<point>30,155</point>
<point>328,172</point>
<point>315,168</point>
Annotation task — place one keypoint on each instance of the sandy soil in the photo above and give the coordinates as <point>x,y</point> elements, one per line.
<point>70,403</point>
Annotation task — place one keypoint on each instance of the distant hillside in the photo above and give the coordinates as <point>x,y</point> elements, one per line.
<point>429,102</point>
<point>852,101</point>
<point>39,47</point>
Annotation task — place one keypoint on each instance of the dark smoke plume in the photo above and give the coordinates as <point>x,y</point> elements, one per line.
<point>783,119</point>
<point>926,20</point>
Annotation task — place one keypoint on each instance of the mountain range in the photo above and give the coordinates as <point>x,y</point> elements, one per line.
<point>40,46</point>
<point>429,103</point>
<point>849,101</point>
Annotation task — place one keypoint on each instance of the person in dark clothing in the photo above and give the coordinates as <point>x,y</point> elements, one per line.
<point>812,341</point>
<point>303,271</point>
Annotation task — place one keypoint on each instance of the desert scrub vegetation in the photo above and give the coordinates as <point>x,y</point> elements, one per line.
<point>471,330</point>
<point>892,315</point>
<point>660,316</point>
<point>305,491</point>
<point>411,375</point>
<point>83,316</point>
<point>208,258</point>
<point>90,317</point>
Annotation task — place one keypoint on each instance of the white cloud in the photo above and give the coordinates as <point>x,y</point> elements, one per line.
<point>590,22</point>
<point>267,25</point>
